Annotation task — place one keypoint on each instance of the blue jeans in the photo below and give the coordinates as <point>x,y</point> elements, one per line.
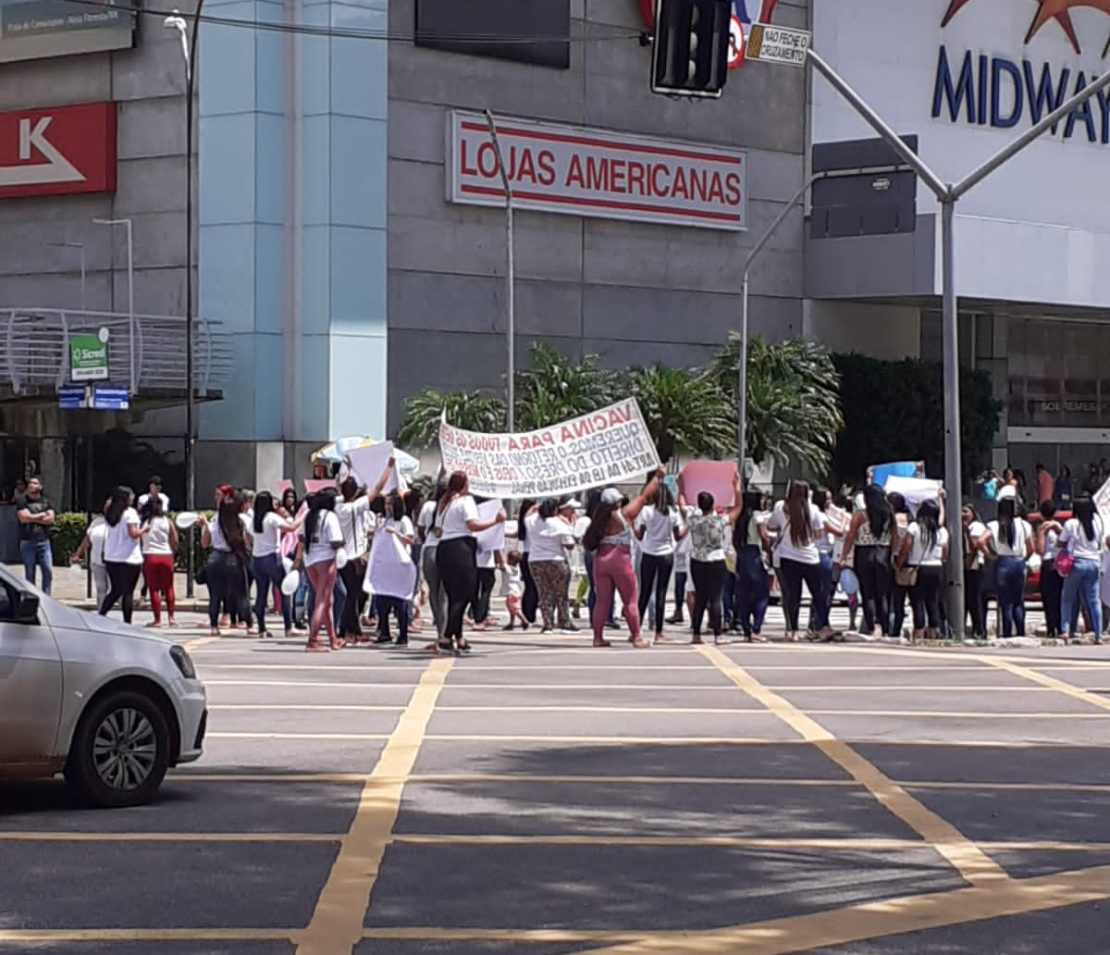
<point>1010,585</point>
<point>1081,585</point>
<point>753,590</point>
<point>818,621</point>
<point>269,571</point>
<point>38,554</point>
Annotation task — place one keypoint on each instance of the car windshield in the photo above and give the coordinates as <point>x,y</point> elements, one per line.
<point>19,583</point>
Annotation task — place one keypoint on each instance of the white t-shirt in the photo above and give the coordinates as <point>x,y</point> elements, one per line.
<point>659,529</point>
<point>549,538</point>
<point>165,502</point>
<point>218,540</point>
<point>268,540</point>
<point>529,531</point>
<point>352,522</point>
<point>157,539</point>
<point>786,549</point>
<point>682,547</point>
<point>320,549</point>
<point>425,521</point>
<point>1074,538</point>
<point>1022,533</point>
<point>454,520</point>
<point>975,531</point>
<point>120,547</point>
<point>97,534</point>
<point>919,557</point>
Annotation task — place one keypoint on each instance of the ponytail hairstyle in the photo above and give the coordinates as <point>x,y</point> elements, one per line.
<point>928,520</point>
<point>120,502</point>
<point>608,502</point>
<point>456,486</point>
<point>231,526</point>
<point>263,505</point>
<point>395,506</point>
<point>1085,514</point>
<point>320,501</point>
<point>879,513</point>
<point>752,500</point>
<point>821,498</point>
<point>1006,511</point>
<point>797,513</point>
<point>521,527</point>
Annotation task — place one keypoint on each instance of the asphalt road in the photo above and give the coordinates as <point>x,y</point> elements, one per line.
<point>541,797</point>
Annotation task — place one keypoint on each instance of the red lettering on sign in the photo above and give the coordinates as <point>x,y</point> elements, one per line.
<point>597,173</point>
<point>716,190</point>
<point>546,162</point>
<point>617,172</point>
<point>679,187</point>
<point>732,183</point>
<point>487,161</point>
<point>574,172</point>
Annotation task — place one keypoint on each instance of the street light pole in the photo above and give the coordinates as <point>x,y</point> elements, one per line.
<point>81,247</point>
<point>510,276</point>
<point>130,292</point>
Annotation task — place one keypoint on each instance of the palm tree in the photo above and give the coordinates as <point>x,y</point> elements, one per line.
<point>470,410</point>
<point>793,413</point>
<point>684,409</point>
<point>556,388</point>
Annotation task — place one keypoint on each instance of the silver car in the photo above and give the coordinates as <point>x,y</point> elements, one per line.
<point>110,706</point>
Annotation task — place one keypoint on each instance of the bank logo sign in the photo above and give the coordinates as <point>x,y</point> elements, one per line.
<point>1002,92</point>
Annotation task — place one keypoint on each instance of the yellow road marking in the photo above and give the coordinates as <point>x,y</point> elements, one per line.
<point>970,861</point>
<point>337,921</point>
<point>872,920</point>
<point>1051,683</point>
<point>199,642</point>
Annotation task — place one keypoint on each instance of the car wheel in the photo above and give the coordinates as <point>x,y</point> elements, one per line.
<point>120,751</point>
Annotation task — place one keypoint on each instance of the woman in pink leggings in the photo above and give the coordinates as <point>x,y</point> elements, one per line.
<point>610,537</point>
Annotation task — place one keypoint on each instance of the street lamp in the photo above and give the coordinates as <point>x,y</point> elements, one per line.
<point>130,289</point>
<point>81,247</point>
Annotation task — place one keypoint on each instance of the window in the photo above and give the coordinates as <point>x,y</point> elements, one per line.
<point>1056,374</point>
<point>529,31</point>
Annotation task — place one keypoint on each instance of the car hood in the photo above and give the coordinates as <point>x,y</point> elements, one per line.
<point>59,615</point>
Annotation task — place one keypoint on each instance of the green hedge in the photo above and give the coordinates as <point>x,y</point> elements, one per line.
<point>69,528</point>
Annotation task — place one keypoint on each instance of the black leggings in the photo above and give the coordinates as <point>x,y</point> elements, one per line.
<point>227,585</point>
<point>122,579</point>
<point>456,560</point>
<point>793,572</point>
<point>925,598</point>
<point>709,582</point>
<point>530,602</point>
<point>1052,590</point>
<point>976,606</point>
<point>400,607</point>
<point>655,571</point>
<point>872,566</point>
<point>479,606</point>
<point>352,573</point>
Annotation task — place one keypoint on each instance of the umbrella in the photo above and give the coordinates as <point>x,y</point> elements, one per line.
<point>337,450</point>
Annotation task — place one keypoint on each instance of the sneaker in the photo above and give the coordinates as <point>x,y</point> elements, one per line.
<point>402,643</point>
<point>569,628</point>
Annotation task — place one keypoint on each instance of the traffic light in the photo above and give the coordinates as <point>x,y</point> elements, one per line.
<point>690,53</point>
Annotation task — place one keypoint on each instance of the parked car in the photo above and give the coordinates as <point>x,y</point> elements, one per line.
<point>110,706</point>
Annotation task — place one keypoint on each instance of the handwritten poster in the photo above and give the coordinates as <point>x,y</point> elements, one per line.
<point>715,477</point>
<point>492,539</point>
<point>608,446</point>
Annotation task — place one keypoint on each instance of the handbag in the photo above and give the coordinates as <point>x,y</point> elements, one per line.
<point>906,576</point>
<point>1064,563</point>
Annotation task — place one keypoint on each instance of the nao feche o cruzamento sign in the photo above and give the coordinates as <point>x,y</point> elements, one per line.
<point>609,446</point>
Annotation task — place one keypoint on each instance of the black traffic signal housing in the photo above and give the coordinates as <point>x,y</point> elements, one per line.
<point>690,54</point>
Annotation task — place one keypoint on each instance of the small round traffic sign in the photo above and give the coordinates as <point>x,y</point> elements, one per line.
<point>102,334</point>
<point>736,41</point>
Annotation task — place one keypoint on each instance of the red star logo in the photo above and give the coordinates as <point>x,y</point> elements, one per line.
<point>1058,10</point>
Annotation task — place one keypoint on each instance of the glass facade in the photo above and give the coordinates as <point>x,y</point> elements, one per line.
<point>1058,377</point>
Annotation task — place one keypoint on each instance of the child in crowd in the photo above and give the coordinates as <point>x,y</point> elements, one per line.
<point>512,589</point>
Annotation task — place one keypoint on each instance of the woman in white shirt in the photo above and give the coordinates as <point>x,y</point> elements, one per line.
<point>159,544</point>
<point>268,568</point>
<point>320,539</point>
<point>552,541</point>
<point>456,523</point>
<point>925,547</point>
<point>799,523</point>
<point>93,544</point>
<point>355,521</point>
<point>753,586</point>
<point>1084,537</point>
<point>123,557</point>
<point>709,539</point>
<point>225,573</point>
<point>658,528</point>
<point>392,571</point>
<point>975,532</point>
<point>1052,584</point>
<point>1011,538</point>
<point>425,523</point>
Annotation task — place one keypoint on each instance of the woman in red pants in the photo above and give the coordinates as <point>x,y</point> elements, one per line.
<point>159,545</point>
<point>610,537</point>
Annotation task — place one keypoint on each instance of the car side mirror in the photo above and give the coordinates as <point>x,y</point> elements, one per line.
<point>27,608</point>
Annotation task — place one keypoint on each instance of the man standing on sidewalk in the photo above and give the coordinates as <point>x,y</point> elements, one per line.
<point>36,516</point>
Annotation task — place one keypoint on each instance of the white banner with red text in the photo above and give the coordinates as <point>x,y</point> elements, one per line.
<point>608,446</point>
<point>596,172</point>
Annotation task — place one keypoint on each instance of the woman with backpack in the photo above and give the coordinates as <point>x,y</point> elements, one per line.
<point>1081,543</point>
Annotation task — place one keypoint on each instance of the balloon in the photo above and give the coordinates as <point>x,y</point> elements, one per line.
<point>341,558</point>
<point>290,584</point>
<point>186,519</point>
<point>849,582</point>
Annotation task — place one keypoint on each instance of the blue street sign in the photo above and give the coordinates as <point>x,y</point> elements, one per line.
<point>108,398</point>
<point>72,397</point>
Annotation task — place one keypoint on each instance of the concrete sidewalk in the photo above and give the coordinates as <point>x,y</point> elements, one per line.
<point>70,588</point>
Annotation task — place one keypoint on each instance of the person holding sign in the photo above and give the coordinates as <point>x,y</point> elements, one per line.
<point>353,513</point>
<point>658,527</point>
<point>709,536</point>
<point>391,571</point>
<point>456,523</point>
<point>800,523</point>
<point>609,537</point>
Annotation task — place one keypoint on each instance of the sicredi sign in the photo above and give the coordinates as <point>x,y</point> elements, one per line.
<point>599,173</point>
<point>88,357</point>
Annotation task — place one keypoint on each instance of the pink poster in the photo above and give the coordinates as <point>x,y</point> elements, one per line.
<point>312,485</point>
<point>716,477</point>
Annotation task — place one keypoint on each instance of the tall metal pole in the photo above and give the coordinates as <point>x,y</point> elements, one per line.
<point>742,382</point>
<point>84,285</point>
<point>953,469</point>
<point>510,276</point>
<point>131,299</point>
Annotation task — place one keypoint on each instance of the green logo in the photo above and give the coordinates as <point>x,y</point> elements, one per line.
<point>88,357</point>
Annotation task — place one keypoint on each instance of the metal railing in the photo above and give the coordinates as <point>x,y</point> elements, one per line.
<point>34,349</point>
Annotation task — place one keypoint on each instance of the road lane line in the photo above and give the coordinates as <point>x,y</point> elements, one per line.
<point>609,840</point>
<point>1050,682</point>
<point>969,860</point>
<point>337,922</point>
